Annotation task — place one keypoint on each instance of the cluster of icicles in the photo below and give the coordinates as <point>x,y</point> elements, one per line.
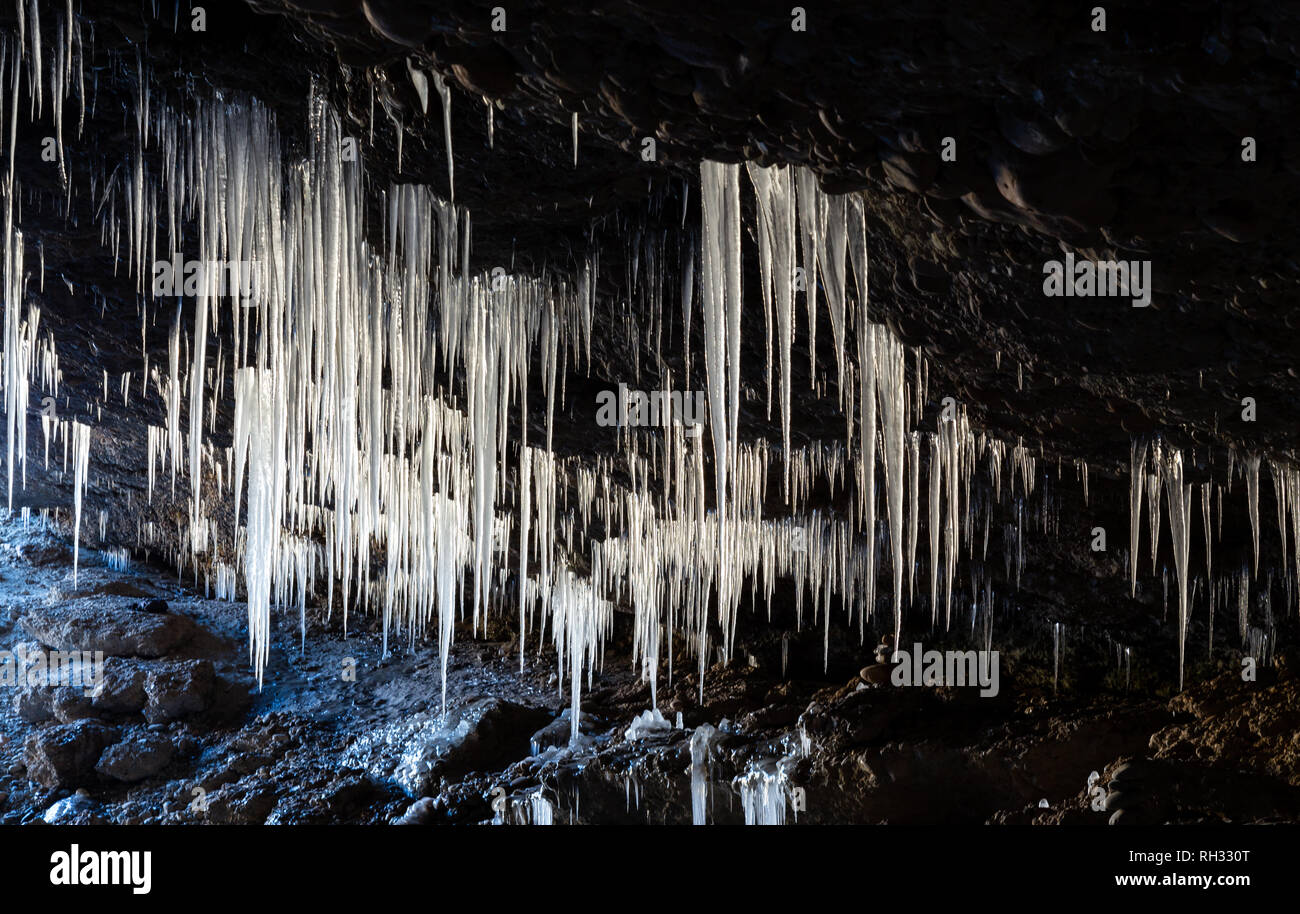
<point>1156,467</point>
<point>373,380</point>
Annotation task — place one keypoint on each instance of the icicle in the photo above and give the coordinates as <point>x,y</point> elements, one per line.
<point>1251,463</point>
<point>720,240</point>
<point>1137,480</point>
<point>444,92</point>
<point>775,203</point>
<point>811,217</point>
<point>701,758</point>
<point>1179,498</point>
<point>892,387</point>
<point>914,509</point>
<point>261,434</point>
<point>80,463</point>
<point>1058,630</point>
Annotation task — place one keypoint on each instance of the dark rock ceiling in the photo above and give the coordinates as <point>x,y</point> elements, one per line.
<point>1123,144</point>
<point>1120,144</point>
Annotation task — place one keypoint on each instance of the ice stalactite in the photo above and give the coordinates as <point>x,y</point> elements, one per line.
<point>914,511</point>
<point>81,464</point>
<point>482,371</point>
<point>952,437</point>
<point>174,395</point>
<point>763,792</point>
<point>721,299</point>
<point>444,93</point>
<point>833,237</point>
<point>16,379</point>
<point>1250,465</point>
<point>525,522</point>
<point>812,204</point>
<point>775,204</point>
<point>866,465</point>
<point>1206,487</point>
<point>1137,481</point>
<point>891,385</point>
<point>701,765</point>
<point>647,595</point>
<point>1278,474</point>
<point>1153,499</point>
<point>933,528</point>
<point>580,621</point>
<point>260,425</point>
<point>1179,498</point>
<point>452,547</point>
<point>762,182</point>
<point>1058,632</point>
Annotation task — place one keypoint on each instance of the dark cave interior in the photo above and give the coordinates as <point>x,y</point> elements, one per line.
<point>362,548</point>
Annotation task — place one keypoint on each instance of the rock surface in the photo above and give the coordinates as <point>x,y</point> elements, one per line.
<point>117,630</point>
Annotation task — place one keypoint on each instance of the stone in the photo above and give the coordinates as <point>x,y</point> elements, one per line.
<point>116,630</point>
<point>178,689</point>
<point>421,812</point>
<point>136,759</point>
<point>397,20</point>
<point>877,673</point>
<point>65,755</point>
<point>248,802</point>
<point>120,689</point>
<point>558,731</point>
<point>34,704</point>
<point>72,703</point>
<point>77,809</point>
<point>484,735</point>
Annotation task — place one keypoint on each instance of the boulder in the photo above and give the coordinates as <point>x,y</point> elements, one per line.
<point>34,704</point>
<point>136,759</point>
<point>118,631</point>
<point>65,755</point>
<point>77,809</point>
<point>178,689</point>
<point>486,734</point>
<point>120,689</point>
<point>72,703</point>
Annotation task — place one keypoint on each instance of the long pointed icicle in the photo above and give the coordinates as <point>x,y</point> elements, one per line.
<point>1179,498</point>
<point>1137,480</point>
<point>1251,463</point>
<point>891,387</point>
<point>80,462</point>
<point>444,93</point>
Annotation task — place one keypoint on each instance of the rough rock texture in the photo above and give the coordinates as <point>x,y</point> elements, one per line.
<point>117,630</point>
<point>77,809</point>
<point>65,755</point>
<point>178,689</point>
<point>483,734</point>
<point>120,688</point>
<point>136,759</point>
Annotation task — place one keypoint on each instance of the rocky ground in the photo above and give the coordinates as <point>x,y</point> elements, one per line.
<point>177,730</point>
